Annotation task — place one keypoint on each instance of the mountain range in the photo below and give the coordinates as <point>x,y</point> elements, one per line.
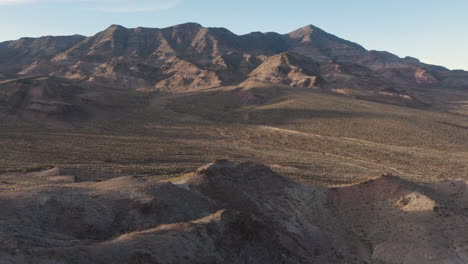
<point>189,57</point>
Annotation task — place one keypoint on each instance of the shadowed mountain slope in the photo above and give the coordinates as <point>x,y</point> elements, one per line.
<point>42,98</point>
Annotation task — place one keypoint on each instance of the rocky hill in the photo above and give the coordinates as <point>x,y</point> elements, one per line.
<point>228,212</point>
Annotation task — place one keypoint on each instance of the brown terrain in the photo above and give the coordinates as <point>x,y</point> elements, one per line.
<point>229,212</point>
<point>104,141</point>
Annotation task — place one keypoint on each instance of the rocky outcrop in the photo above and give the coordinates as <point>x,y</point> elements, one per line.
<point>228,212</point>
<point>289,69</point>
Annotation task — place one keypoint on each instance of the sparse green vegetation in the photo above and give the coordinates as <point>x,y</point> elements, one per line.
<point>311,136</point>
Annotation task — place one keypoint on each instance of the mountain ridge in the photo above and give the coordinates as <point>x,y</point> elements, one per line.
<point>116,55</point>
<point>191,58</point>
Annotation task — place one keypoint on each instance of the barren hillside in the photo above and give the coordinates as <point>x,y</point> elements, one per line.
<point>228,213</point>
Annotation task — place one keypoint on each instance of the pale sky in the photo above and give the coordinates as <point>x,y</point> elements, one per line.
<point>436,32</point>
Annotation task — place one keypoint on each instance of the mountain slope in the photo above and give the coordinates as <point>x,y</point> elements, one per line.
<point>24,54</point>
<point>289,69</point>
<point>315,43</point>
<point>42,98</point>
<point>191,57</point>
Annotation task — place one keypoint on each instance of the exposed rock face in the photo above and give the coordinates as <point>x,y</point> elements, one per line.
<point>228,213</point>
<point>190,57</point>
<point>16,56</point>
<point>424,77</point>
<point>289,69</point>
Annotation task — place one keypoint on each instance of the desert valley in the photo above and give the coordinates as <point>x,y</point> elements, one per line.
<point>191,144</point>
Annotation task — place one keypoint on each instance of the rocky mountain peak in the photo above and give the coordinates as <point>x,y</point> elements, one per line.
<point>190,56</point>
<point>188,25</point>
<point>304,32</point>
<point>115,27</point>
